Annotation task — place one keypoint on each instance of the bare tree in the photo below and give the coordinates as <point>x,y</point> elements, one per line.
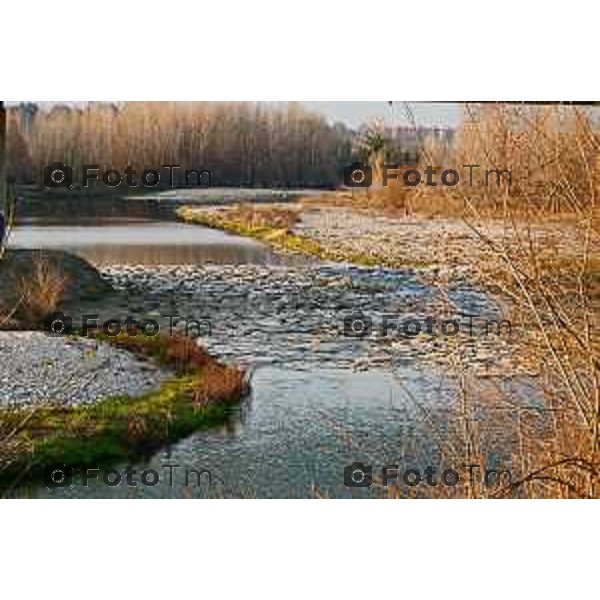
<point>242,143</point>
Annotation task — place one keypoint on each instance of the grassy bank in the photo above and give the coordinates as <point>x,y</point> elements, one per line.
<point>200,394</point>
<point>273,226</point>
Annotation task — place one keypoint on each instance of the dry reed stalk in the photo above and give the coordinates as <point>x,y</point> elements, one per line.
<point>42,290</point>
<point>549,283</point>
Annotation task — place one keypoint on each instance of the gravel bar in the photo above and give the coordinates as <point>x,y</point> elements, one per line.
<point>35,369</point>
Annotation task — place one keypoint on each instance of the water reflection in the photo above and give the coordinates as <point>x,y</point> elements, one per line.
<point>135,241</point>
<point>293,436</point>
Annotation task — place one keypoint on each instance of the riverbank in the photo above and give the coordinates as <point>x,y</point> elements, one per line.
<point>36,283</point>
<point>341,234</point>
<point>284,228</point>
<point>84,400</point>
<point>59,203</point>
<point>439,248</point>
<point>36,370</point>
<point>198,393</point>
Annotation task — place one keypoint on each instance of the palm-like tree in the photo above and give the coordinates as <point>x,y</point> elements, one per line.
<point>372,145</point>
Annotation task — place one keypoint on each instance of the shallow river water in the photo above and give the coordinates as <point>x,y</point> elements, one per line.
<point>320,399</point>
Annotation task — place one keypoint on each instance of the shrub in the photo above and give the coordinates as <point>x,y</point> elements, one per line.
<point>41,291</point>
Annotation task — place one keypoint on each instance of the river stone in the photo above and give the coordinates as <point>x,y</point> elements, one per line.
<point>35,369</point>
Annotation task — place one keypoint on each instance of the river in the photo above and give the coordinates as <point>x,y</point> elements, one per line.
<point>320,400</point>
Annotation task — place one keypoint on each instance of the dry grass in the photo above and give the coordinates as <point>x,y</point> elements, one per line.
<point>545,268</point>
<point>178,351</point>
<point>7,312</point>
<point>219,382</point>
<point>120,427</point>
<point>552,152</point>
<point>257,217</point>
<point>552,289</point>
<point>41,291</point>
<point>395,200</point>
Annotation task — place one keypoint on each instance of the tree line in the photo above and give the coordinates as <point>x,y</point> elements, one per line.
<point>241,143</point>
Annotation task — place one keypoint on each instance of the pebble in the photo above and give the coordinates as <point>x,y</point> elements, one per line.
<point>36,369</point>
<point>294,315</point>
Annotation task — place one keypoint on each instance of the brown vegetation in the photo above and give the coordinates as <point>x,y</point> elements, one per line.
<point>257,217</point>
<point>544,267</point>
<point>241,143</point>
<point>219,382</point>
<point>115,428</point>
<point>41,291</point>
<point>553,290</point>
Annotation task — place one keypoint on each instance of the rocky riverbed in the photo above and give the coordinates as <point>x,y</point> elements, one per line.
<point>36,369</point>
<point>448,245</point>
<point>303,315</point>
<point>438,243</point>
<point>286,314</point>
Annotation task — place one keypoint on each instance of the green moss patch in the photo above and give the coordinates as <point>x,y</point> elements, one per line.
<point>201,393</point>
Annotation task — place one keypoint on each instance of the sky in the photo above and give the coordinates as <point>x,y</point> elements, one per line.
<point>424,113</point>
<point>354,113</point>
